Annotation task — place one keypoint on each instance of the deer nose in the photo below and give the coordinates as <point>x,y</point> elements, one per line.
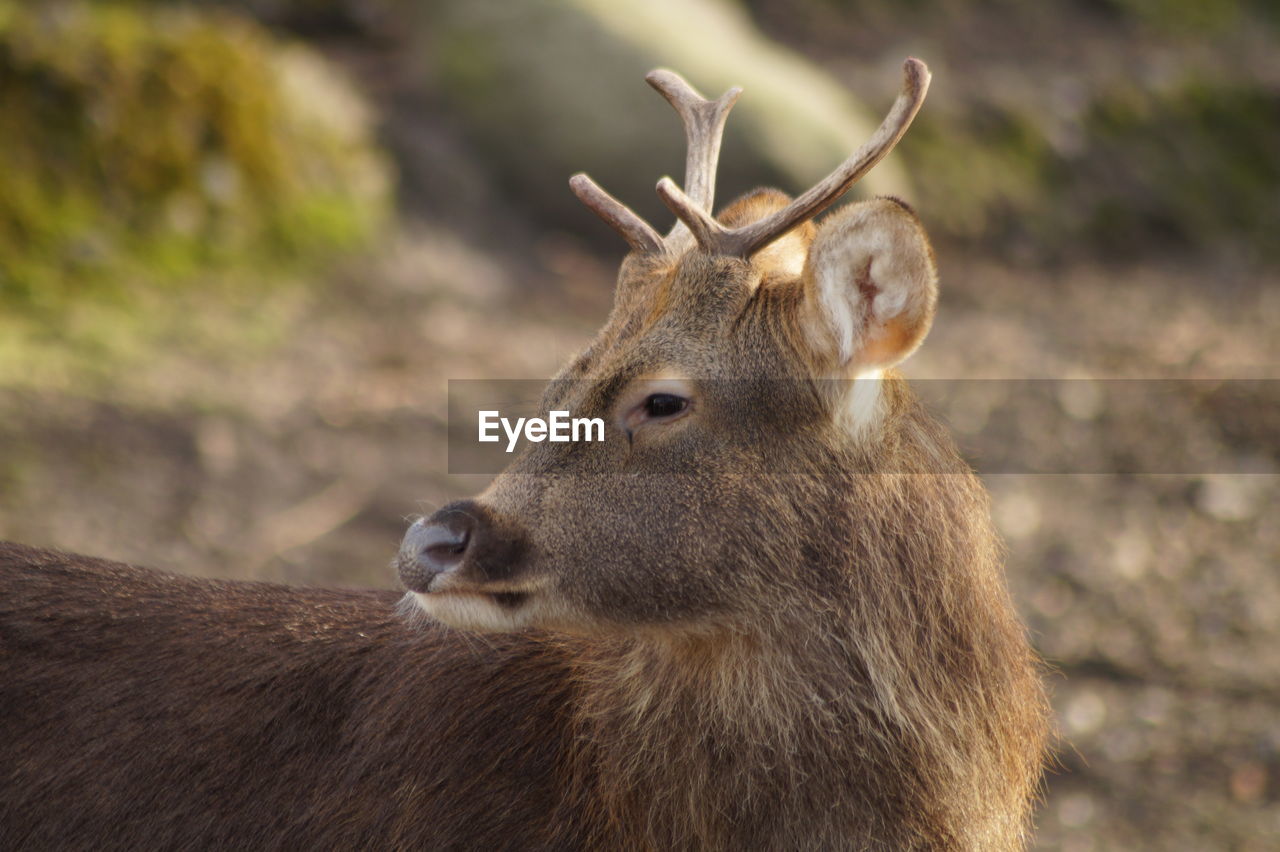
<point>431,548</point>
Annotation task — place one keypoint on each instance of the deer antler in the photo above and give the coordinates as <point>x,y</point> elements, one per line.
<point>704,125</point>
<point>636,231</point>
<point>703,130</point>
<point>747,240</point>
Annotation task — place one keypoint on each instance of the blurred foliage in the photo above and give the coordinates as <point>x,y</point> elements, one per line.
<point>1187,17</point>
<point>1194,165</point>
<point>141,146</point>
<point>313,16</point>
<point>1169,147</point>
<point>1192,17</point>
<point>1113,126</point>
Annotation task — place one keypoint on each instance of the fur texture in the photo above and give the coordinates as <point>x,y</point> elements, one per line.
<point>751,626</point>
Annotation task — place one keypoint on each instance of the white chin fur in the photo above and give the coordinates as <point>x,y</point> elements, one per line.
<point>472,612</point>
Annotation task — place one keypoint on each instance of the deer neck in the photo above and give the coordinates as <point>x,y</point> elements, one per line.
<point>820,720</point>
<point>721,740</point>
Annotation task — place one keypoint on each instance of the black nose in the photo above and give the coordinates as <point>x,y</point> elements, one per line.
<point>433,547</point>
<point>463,538</point>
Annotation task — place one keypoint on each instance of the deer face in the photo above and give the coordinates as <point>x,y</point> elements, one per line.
<point>739,380</point>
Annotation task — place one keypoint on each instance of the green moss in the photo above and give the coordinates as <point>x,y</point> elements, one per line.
<point>143,146</point>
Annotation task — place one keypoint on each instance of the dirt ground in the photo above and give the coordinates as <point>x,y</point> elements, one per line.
<point>1154,598</point>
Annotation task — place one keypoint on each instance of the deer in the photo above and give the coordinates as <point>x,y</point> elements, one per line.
<point>768,610</point>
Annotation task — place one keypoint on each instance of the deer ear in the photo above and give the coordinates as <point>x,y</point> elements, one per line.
<point>870,286</point>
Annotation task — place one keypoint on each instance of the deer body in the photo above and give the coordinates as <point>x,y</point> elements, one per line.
<point>765,612</point>
<point>141,710</point>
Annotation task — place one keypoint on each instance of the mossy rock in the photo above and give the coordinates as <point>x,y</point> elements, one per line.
<point>143,146</point>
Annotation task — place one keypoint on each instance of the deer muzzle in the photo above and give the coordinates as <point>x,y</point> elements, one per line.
<point>463,549</point>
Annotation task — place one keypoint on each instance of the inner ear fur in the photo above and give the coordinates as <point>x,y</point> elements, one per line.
<point>783,259</point>
<point>871,285</point>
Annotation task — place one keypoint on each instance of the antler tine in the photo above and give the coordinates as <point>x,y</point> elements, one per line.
<point>706,230</point>
<point>746,241</point>
<point>704,128</point>
<point>636,231</point>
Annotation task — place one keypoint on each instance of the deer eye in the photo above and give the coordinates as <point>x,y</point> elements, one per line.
<point>658,402</point>
<point>661,405</point>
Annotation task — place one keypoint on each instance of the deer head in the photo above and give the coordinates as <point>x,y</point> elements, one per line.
<point>752,431</point>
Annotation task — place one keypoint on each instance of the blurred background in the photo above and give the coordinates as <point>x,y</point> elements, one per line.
<point>245,244</point>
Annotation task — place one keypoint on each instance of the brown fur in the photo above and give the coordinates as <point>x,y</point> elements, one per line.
<point>753,627</point>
